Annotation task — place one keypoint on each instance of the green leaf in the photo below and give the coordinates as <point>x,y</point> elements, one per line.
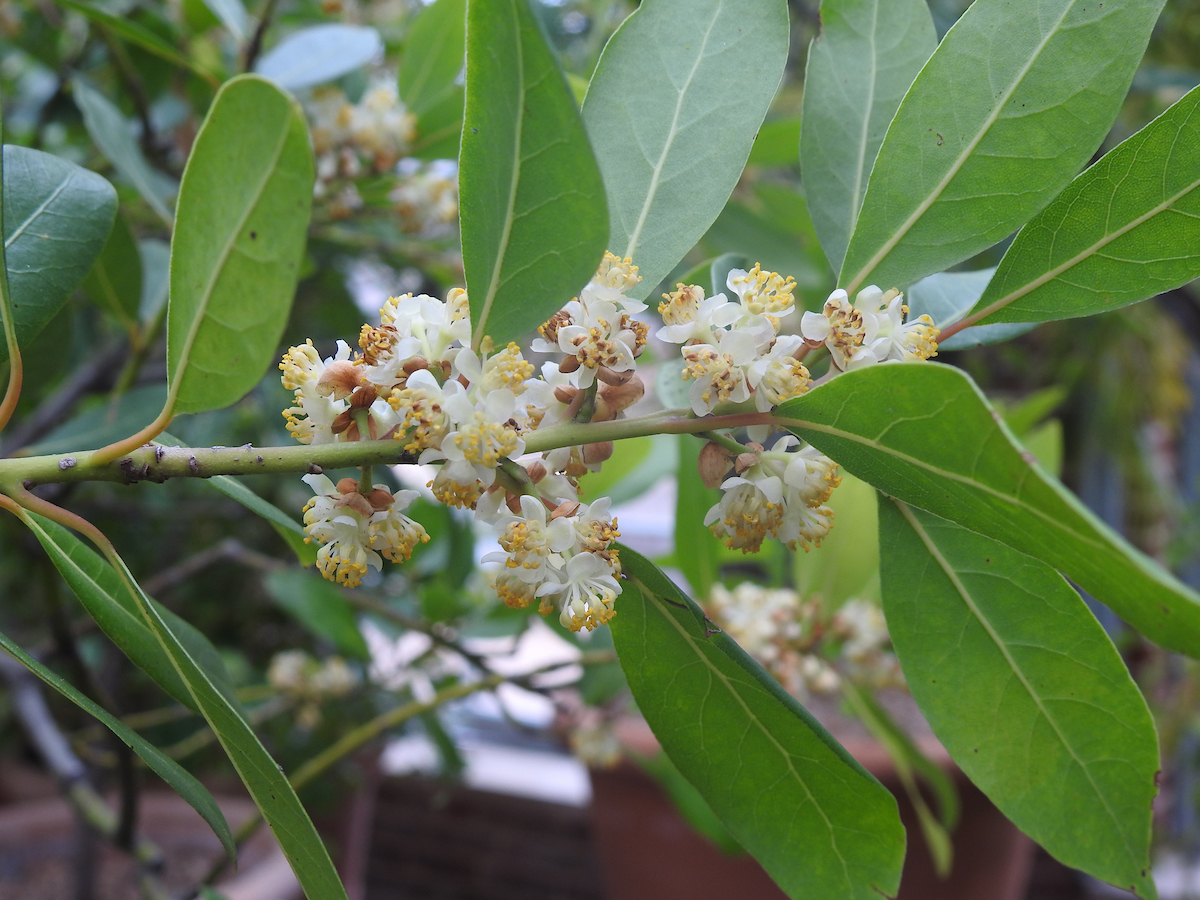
<point>672,110</point>
<point>431,58</point>
<point>166,768</point>
<point>533,216</point>
<point>696,548</point>
<point>232,15</point>
<point>57,217</point>
<point>240,233</point>
<point>439,128</point>
<point>320,607</point>
<point>1023,687</point>
<point>115,281</point>
<point>318,54</point>
<point>156,278</point>
<point>1007,110</point>
<point>924,434</point>
<point>112,133</point>
<point>848,105</point>
<point>135,33</point>
<point>262,776</point>
<point>102,593</point>
<point>818,823</point>
<point>1126,229</point>
<point>688,801</point>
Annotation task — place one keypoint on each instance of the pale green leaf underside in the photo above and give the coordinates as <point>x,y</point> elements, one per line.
<point>848,105</point>
<point>1126,229</point>
<point>993,128</point>
<point>240,232</point>
<point>812,816</point>
<point>166,768</point>
<point>533,215</point>
<point>948,296</point>
<point>1025,690</point>
<point>319,53</point>
<point>672,110</point>
<point>923,433</point>
<point>112,133</point>
<point>57,217</point>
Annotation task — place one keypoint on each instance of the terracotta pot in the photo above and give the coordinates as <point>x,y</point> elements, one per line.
<point>38,843</point>
<point>649,852</point>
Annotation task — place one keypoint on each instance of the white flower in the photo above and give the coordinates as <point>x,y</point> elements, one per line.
<point>532,544</point>
<point>689,316</point>
<point>762,293</point>
<point>745,516</point>
<point>589,590</point>
<point>343,532</point>
<point>718,371</point>
<point>777,375</point>
<point>393,533</point>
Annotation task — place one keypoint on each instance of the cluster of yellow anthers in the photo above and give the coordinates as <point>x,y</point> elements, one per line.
<point>415,378</point>
<point>870,330</point>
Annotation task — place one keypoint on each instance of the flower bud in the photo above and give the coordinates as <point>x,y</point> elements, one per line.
<point>608,376</point>
<point>744,461</point>
<point>713,464</point>
<point>598,452</point>
<point>380,499</point>
<point>339,380</point>
<point>618,398</point>
<point>536,470</point>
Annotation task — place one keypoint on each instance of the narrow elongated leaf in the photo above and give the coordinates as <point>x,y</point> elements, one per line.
<point>672,110</point>
<point>57,217</point>
<point>263,777</point>
<point>813,817</point>
<point>103,422</point>
<point>115,281</point>
<point>318,54</point>
<point>320,607</point>
<point>1009,107</point>
<point>1126,229</point>
<point>433,54</point>
<point>533,215</point>
<point>239,235</point>
<point>1025,690</point>
<point>923,433</point>
<point>848,105</point>
<point>184,784</point>
<point>112,134</point>
<point>102,594</point>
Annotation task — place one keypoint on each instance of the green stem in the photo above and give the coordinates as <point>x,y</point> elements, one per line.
<point>734,447</point>
<point>157,463</point>
<point>16,372</point>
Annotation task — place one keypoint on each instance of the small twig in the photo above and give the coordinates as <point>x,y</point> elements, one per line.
<point>255,46</point>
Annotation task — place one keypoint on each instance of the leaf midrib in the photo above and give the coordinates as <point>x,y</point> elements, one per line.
<point>857,197</point>
<point>648,592</point>
<point>656,171</point>
<point>201,313</point>
<point>33,216</point>
<point>956,166</point>
<point>969,602</point>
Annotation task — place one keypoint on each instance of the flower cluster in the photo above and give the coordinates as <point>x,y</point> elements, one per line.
<point>776,493</point>
<point>870,330</point>
<point>804,650</point>
<point>310,682</point>
<point>426,197</point>
<point>733,350</point>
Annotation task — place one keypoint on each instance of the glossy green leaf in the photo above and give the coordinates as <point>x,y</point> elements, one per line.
<point>57,217</point>
<point>101,592</point>
<point>240,233</point>
<point>533,216</point>
<point>432,55</point>
<point>115,281</point>
<point>1023,687</point>
<point>439,128</point>
<point>135,33</point>
<point>1008,109</point>
<point>672,110</point>
<point>318,54</point>
<point>113,135</point>
<point>320,607</point>
<point>818,823</point>
<point>232,15</point>
<point>776,143</point>
<point>1126,229</point>
<point>263,777</point>
<point>849,105</point>
<point>923,433</point>
<point>166,768</point>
